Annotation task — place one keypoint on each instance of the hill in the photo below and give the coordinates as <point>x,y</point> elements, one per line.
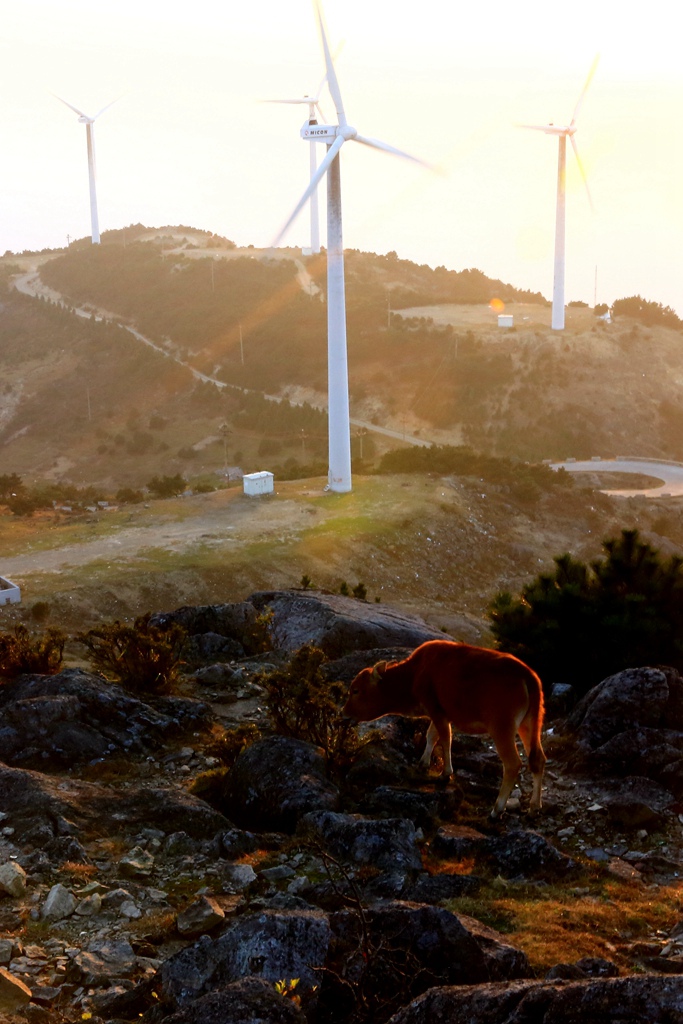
<point>425,352</point>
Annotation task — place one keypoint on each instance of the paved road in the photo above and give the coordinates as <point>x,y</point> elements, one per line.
<point>670,473</point>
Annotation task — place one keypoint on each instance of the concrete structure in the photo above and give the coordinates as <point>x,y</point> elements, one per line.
<point>505,320</point>
<point>258,483</point>
<point>9,592</point>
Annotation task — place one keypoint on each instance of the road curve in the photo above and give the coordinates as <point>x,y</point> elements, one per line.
<point>670,473</point>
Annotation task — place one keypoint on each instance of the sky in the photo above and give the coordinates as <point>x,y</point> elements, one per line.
<point>189,140</point>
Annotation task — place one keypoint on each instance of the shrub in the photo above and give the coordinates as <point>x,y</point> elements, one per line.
<point>360,591</point>
<point>305,705</point>
<point>40,611</point>
<point>166,486</point>
<point>585,622</point>
<point>142,657</point>
<point>21,653</point>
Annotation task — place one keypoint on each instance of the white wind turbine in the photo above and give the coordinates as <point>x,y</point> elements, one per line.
<point>89,123</point>
<point>313,103</point>
<point>334,136</point>
<point>563,132</point>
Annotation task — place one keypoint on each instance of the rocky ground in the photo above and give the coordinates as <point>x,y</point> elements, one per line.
<point>294,892</point>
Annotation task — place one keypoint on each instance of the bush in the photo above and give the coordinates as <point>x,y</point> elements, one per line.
<point>142,657</point>
<point>166,486</point>
<point>305,705</point>
<point>21,653</point>
<point>585,622</point>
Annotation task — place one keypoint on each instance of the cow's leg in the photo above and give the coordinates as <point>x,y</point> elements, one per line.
<point>432,736</point>
<point>537,761</point>
<point>442,727</point>
<point>512,763</point>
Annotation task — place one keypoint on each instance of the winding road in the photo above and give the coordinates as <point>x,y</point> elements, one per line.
<point>670,473</point>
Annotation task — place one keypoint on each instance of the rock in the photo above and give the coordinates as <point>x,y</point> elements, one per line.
<point>413,948</point>
<point>60,903</point>
<point>423,807</point>
<point>75,716</point>
<point>136,863</point>
<point>273,944</point>
<point>338,625</point>
<point>246,1001</point>
<point>275,781</point>
<point>239,876</point>
<point>503,960</point>
<point>390,843</point>
<point>90,906</point>
<point>347,668</point>
<point>631,1000</point>
<point>235,842</point>
<point>438,888</point>
<point>179,844</point>
<point>632,724</point>
<point>14,994</point>
<point>517,853</point>
<point>115,898</point>
<point>211,647</point>
<point>218,675</point>
<point>635,801</point>
<point>6,948</point>
<point>104,960</point>
<point>200,917</point>
<point>131,910</point>
<point>12,879</point>
<point>227,620</point>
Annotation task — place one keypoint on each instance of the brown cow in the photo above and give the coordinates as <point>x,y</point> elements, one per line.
<point>472,688</point>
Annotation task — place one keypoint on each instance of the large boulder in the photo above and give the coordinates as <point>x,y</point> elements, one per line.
<point>275,781</point>
<point>338,625</point>
<point>388,844</point>
<point>275,945</point>
<point>632,724</point>
<point>75,717</point>
<point>516,853</point>
<point>247,1001</point>
<point>45,811</point>
<point>397,950</point>
<point>227,620</point>
<point>646,999</point>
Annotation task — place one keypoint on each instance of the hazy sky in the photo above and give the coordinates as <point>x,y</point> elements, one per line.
<point>188,142</point>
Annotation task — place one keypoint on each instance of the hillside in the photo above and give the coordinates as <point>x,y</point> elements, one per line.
<point>425,352</point>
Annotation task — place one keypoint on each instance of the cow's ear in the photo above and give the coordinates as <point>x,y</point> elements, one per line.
<point>379,669</point>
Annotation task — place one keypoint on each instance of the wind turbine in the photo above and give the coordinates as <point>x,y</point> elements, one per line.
<point>334,136</point>
<point>313,103</point>
<point>89,123</point>
<point>563,132</point>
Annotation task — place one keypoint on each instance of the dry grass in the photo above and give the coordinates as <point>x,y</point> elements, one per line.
<point>79,873</point>
<point>555,924</point>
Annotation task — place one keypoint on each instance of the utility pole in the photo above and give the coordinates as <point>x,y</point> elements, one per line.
<point>224,430</point>
<point>241,346</point>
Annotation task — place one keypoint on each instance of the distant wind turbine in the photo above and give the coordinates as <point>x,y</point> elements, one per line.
<point>89,123</point>
<point>334,136</point>
<point>314,108</point>
<point>563,132</point>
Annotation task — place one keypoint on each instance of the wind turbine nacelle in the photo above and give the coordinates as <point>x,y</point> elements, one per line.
<point>319,132</point>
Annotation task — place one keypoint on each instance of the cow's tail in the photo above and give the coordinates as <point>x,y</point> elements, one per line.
<point>532,723</point>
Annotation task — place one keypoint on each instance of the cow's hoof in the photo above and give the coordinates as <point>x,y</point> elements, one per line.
<point>443,780</point>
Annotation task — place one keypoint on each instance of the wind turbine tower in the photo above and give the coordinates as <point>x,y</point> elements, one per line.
<point>563,132</point>
<point>314,108</point>
<point>334,136</point>
<point>89,123</point>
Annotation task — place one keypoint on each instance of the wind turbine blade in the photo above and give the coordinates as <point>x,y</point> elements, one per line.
<point>577,108</point>
<point>69,105</point>
<point>332,81</point>
<point>314,182</point>
<point>106,108</point>
<point>376,144</point>
<point>534,127</point>
<point>582,171</point>
<point>301,99</point>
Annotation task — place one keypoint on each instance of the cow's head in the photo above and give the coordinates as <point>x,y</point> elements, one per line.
<point>365,701</point>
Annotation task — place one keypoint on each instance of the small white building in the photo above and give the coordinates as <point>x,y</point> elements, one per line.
<point>10,593</point>
<point>258,483</point>
<point>505,320</point>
